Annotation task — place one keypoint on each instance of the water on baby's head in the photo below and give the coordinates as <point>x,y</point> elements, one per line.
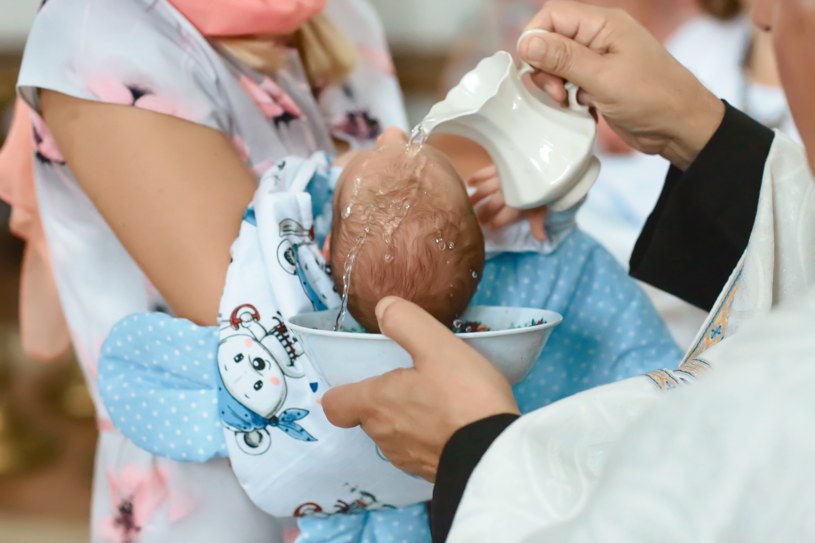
<point>346,276</point>
<point>347,211</point>
<point>387,210</point>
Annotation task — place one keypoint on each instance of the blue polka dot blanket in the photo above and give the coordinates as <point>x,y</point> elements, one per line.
<point>246,390</point>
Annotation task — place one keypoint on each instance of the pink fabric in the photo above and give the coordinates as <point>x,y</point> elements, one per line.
<point>136,494</point>
<point>43,328</point>
<point>270,98</point>
<point>106,425</point>
<point>111,90</point>
<point>44,143</point>
<point>378,58</point>
<point>17,173</point>
<point>247,17</point>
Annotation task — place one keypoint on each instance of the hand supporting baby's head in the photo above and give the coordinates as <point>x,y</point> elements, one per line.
<point>404,226</point>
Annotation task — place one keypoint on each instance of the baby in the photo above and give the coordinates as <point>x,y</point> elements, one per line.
<point>403,225</point>
<point>400,223</point>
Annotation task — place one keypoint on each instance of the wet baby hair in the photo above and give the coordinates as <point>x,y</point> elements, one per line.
<point>412,241</point>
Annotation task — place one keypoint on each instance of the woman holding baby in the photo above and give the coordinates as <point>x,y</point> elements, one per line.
<point>153,122</point>
<point>721,460</point>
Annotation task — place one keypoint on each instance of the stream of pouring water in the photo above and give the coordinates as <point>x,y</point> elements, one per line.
<point>418,137</point>
<point>346,276</point>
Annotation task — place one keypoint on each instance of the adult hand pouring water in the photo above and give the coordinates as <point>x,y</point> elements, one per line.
<point>438,419</point>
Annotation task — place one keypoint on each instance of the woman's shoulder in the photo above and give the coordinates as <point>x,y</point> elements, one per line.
<point>129,52</point>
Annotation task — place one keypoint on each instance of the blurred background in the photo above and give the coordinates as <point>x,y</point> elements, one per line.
<point>47,430</point>
<point>47,427</point>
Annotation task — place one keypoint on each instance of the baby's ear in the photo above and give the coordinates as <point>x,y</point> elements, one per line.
<point>327,249</point>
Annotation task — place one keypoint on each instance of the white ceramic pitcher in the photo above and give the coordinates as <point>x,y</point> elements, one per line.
<point>543,152</point>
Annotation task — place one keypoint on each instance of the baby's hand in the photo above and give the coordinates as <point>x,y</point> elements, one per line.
<point>494,212</point>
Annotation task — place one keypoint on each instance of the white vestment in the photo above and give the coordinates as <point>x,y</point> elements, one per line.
<point>727,459</point>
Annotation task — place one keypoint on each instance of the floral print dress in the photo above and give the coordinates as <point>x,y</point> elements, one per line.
<point>144,54</point>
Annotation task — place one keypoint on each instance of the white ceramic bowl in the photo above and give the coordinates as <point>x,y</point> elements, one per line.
<point>348,357</point>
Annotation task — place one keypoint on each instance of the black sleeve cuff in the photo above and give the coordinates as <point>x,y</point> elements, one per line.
<point>701,224</point>
<point>458,460</point>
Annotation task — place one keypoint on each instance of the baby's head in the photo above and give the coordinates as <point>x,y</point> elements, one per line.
<point>405,224</point>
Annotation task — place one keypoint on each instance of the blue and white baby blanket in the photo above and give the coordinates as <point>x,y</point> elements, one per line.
<point>260,404</point>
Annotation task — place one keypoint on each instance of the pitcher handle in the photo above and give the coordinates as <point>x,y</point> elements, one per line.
<point>571,88</point>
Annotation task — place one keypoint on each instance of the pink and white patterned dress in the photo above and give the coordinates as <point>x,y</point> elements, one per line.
<point>145,54</point>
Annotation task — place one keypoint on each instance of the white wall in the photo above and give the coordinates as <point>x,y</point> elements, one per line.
<point>15,18</point>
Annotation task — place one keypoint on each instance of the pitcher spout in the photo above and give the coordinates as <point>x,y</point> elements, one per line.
<point>543,153</point>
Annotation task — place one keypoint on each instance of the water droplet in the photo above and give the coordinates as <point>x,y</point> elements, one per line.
<point>475,274</point>
<point>346,277</point>
<point>388,258</point>
<point>451,245</point>
<point>440,244</point>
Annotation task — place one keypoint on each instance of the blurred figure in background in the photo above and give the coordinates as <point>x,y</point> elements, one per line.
<point>743,71</point>
<point>500,22</point>
<point>717,42</point>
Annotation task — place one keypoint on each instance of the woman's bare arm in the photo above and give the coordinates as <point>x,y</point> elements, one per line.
<point>172,191</point>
